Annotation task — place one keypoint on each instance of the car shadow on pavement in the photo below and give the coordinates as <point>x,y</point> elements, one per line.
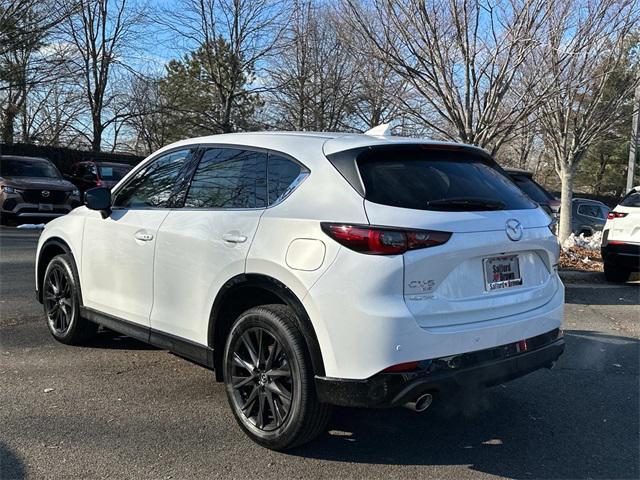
<point>579,420</point>
<point>108,339</point>
<point>11,466</point>
<point>609,294</point>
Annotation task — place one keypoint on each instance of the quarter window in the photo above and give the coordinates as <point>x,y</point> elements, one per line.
<point>153,186</point>
<point>229,178</point>
<point>283,176</point>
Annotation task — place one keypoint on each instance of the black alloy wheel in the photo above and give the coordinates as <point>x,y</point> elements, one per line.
<point>58,300</point>
<point>61,301</point>
<point>261,379</point>
<point>269,379</point>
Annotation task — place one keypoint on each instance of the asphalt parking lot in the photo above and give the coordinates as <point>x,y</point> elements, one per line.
<point>118,408</point>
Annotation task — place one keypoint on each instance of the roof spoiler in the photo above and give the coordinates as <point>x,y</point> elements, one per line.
<point>382,130</point>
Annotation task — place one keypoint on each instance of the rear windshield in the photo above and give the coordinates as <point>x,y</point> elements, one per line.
<point>426,179</point>
<point>531,188</point>
<point>631,200</point>
<point>113,173</point>
<point>28,168</point>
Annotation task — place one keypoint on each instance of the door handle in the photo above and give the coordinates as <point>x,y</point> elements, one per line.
<point>143,236</point>
<point>234,238</point>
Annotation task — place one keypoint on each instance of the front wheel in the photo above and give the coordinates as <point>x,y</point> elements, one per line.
<point>60,297</point>
<point>269,379</point>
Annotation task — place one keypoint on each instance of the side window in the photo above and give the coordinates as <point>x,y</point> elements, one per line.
<point>283,176</point>
<point>153,185</point>
<point>589,210</point>
<point>229,178</point>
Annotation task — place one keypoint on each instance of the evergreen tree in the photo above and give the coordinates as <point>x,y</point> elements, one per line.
<point>207,92</point>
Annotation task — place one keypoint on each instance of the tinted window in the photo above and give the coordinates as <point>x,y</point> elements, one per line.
<point>152,186</point>
<point>591,211</point>
<point>28,168</point>
<point>229,178</point>
<point>531,188</point>
<point>631,200</point>
<point>113,173</point>
<point>427,179</point>
<point>282,175</point>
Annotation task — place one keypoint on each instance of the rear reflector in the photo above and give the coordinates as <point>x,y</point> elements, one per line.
<point>613,215</point>
<point>402,367</point>
<point>381,240</point>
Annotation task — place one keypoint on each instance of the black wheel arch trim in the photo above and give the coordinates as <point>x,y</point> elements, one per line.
<point>285,294</point>
<point>64,246</point>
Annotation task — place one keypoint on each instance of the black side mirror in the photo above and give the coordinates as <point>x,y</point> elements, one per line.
<point>99,198</point>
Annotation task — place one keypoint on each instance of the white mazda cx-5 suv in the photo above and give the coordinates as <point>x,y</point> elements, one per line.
<point>311,270</point>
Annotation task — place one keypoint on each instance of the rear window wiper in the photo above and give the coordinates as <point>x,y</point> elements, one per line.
<point>464,203</point>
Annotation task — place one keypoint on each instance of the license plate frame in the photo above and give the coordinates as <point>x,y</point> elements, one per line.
<point>45,207</point>
<point>503,277</point>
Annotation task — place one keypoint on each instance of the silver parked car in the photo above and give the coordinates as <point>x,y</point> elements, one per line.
<point>589,216</point>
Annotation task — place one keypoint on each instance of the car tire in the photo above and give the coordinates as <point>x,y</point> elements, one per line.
<point>61,301</point>
<point>269,379</point>
<point>616,274</point>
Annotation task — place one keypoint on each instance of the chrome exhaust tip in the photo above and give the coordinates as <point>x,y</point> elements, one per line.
<point>420,404</point>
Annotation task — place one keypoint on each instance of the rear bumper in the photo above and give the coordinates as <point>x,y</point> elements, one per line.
<point>624,255</point>
<point>445,375</point>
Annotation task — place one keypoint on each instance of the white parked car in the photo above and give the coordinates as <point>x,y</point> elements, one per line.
<point>311,270</point>
<point>621,238</point>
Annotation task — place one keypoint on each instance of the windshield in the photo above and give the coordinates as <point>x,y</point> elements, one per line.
<point>427,179</point>
<point>28,168</point>
<point>531,188</point>
<point>112,173</point>
<point>631,200</point>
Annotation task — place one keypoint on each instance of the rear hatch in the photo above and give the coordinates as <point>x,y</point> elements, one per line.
<point>499,260</point>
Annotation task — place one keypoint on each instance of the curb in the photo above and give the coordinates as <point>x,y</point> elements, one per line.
<point>577,276</point>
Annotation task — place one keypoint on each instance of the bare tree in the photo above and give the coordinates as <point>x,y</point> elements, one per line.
<point>51,114</point>
<point>25,61</point>
<point>22,21</point>
<point>462,58</point>
<point>148,114</point>
<point>313,79</point>
<point>586,46</point>
<point>102,32</point>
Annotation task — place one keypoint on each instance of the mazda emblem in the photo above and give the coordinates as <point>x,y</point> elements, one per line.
<point>514,229</point>
<point>45,193</point>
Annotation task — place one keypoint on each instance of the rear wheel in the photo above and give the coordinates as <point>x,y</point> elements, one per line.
<point>60,297</point>
<point>616,274</point>
<point>269,379</point>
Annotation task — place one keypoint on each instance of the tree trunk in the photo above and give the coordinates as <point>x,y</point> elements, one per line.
<point>8,123</point>
<point>565,203</point>
<point>96,143</point>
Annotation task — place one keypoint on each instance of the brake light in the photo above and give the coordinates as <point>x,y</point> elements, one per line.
<point>612,215</point>
<point>383,241</point>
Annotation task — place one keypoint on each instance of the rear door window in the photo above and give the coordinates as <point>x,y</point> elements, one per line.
<point>427,179</point>
<point>591,210</point>
<point>229,178</point>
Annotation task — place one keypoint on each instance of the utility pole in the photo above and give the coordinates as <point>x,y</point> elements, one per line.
<point>634,147</point>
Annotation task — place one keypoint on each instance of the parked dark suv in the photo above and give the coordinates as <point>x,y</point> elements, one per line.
<point>86,175</point>
<point>33,188</point>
